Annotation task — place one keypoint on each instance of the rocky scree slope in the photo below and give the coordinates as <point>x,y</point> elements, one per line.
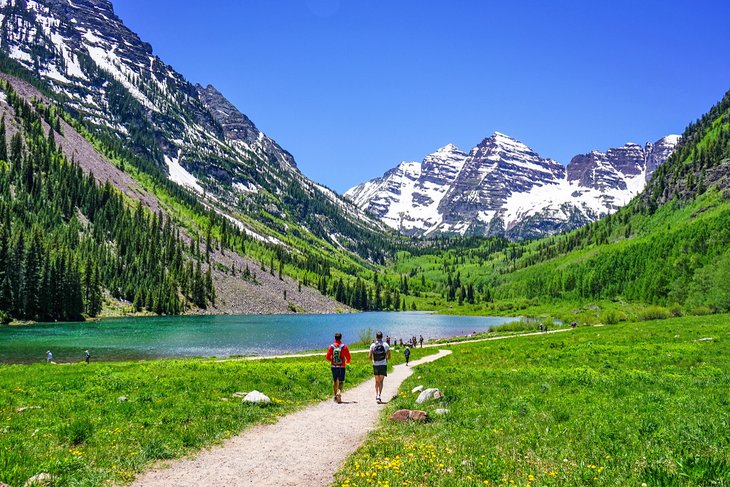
<point>502,187</point>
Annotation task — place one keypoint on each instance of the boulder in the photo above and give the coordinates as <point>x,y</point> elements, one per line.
<point>400,415</point>
<point>417,415</point>
<point>441,411</point>
<point>429,394</point>
<point>122,399</point>
<point>256,397</point>
<point>417,389</point>
<point>43,479</point>
<point>404,415</point>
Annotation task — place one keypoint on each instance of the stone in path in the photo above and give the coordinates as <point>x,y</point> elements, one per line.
<point>299,450</point>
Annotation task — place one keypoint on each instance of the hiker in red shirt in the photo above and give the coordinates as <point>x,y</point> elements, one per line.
<point>339,355</point>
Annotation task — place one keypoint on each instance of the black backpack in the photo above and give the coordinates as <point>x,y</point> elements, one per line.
<point>337,354</point>
<point>379,352</point>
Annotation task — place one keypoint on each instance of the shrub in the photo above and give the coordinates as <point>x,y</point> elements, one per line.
<point>612,316</point>
<point>653,313</point>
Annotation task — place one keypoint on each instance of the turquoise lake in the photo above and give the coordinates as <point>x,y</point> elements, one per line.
<point>219,336</point>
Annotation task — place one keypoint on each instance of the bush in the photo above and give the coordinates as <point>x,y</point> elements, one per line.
<point>612,316</point>
<point>522,325</point>
<point>653,313</point>
<point>4,318</point>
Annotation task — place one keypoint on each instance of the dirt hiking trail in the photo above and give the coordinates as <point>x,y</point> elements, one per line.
<point>298,450</point>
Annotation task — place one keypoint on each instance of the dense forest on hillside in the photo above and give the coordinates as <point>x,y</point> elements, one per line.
<point>65,239</point>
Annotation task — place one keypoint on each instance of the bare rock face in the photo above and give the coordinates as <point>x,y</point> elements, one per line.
<point>659,152</point>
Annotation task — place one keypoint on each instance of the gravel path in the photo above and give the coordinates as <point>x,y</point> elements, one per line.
<point>297,450</point>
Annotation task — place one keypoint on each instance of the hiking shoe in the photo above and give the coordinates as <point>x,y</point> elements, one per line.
<point>377,399</point>
<point>338,399</point>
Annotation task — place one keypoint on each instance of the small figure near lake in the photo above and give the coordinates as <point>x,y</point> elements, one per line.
<point>387,339</point>
<point>540,327</point>
<point>49,357</point>
<point>380,354</point>
<point>407,354</point>
<point>87,356</point>
<point>420,340</point>
<point>339,356</point>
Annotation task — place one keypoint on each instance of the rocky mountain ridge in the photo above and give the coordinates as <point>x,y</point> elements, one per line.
<point>502,187</point>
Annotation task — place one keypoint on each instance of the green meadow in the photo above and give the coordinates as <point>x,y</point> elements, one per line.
<point>104,422</point>
<point>628,404</point>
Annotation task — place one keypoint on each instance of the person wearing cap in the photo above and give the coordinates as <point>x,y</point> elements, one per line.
<point>339,356</point>
<point>380,354</point>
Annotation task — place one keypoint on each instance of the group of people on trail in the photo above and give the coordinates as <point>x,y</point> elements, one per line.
<point>49,356</point>
<point>339,356</point>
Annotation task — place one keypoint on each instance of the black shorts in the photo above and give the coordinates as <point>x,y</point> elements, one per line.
<point>338,373</point>
<point>380,370</point>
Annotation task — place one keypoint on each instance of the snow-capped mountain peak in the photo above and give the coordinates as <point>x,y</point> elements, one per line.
<point>503,187</point>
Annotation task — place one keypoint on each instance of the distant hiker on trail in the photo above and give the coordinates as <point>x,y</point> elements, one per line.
<point>380,354</point>
<point>49,357</point>
<point>407,354</point>
<point>420,340</point>
<point>387,339</point>
<point>339,356</point>
<point>401,341</point>
<point>87,356</point>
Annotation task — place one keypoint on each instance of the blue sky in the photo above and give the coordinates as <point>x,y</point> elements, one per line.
<point>351,88</point>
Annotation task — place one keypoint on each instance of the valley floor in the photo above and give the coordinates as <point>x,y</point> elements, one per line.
<point>623,404</point>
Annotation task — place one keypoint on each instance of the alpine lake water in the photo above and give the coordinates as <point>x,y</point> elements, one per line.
<point>219,336</point>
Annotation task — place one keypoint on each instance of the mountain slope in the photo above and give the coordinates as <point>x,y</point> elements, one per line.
<point>502,187</point>
<point>105,74</point>
<point>274,241</point>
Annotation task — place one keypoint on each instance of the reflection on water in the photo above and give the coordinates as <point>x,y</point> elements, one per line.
<point>219,336</point>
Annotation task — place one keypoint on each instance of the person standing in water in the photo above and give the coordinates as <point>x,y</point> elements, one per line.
<point>49,357</point>
<point>380,354</point>
<point>339,356</point>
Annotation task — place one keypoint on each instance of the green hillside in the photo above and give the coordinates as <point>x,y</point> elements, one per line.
<point>668,248</point>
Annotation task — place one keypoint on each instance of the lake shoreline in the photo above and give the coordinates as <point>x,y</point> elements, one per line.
<point>222,337</point>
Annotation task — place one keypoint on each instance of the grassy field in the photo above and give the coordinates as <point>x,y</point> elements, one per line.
<point>78,429</point>
<point>628,404</point>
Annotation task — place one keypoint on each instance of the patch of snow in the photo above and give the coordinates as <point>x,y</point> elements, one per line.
<point>245,188</point>
<point>181,176</point>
